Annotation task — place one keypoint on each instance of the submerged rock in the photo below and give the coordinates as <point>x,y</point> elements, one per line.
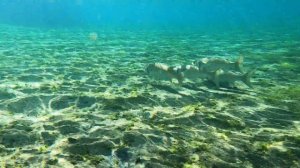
<point>67,129</point>
<point>29,105</point>
<point>123,154</point>
<point>16,138</point>
<point>94,148</point>
<point>5,95</point>
<point>63,102</point>
<point>49,137</point>
<point>134,139</point>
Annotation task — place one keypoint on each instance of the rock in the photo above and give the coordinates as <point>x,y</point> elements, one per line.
<point>16,138</point>
<point>63,102</point>
<point>5,95</point>
<point>28,105</point>
<point>101,148</point>
<point>49,127</point>
<point>52,161</point>
<point>105,132</point>
<point>134,139</point>
<point>67,122</point>
<point>49,137</point>
<point>66,129</point>
<point>95,148</point>
<point>21,125</point>
<point>123,154</point>
<point>85,101</point>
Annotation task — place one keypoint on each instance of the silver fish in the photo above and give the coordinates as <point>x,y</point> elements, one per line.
<point>192,72</point>
<point>160,71</point>
<point>230,77</point>
<point>213,64</point>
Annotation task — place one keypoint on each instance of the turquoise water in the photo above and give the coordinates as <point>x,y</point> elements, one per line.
<point>74,91</point>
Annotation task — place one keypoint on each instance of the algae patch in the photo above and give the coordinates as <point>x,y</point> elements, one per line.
<point>288,97</point>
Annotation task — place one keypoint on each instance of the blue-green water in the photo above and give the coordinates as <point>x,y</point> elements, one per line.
<point>151,13</point>
<point>74,91</point>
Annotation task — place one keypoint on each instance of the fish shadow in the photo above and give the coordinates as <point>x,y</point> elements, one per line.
<point>211,88</point>
<point>166,88</point>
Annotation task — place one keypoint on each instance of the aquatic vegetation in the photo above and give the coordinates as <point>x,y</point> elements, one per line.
<point>51,161</point>
<point>236,123</point>
<point>51,86</point>
<point>287,65</point>
<point>2,149</point>
<point>285,96</point>
<point>42,149</point>
<point>263,146</point>
<point>134,93</point>
<point>198,107</point>
<point>93,159</point>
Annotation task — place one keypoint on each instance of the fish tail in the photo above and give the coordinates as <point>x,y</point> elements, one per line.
<point>180,79</point>
<point>247,76</point>
<point>148,68</point>
<point>239,63</point>
<point>216,77</point>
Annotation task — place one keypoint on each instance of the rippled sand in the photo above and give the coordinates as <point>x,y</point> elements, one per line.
<point>67,100</point>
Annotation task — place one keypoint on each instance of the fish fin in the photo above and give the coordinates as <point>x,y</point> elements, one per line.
<point>216,77</point>
<point>180,78</point>
<point>247,76</point>
<point>205,60</point>
<point>239,63</point>
<point>148,68</point>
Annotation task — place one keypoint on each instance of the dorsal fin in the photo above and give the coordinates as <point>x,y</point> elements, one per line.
<point>247,76</point>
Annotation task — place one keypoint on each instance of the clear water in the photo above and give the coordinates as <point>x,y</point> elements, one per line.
<point>74,91</point>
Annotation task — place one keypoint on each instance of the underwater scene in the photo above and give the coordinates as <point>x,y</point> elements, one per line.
<point>150,83</point>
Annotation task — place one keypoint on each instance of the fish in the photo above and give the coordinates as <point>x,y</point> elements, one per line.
<point>191,72</point>
<point>221,76</point>
<point>213,64</point>
<point>216,70</point>
<point>160,71</point>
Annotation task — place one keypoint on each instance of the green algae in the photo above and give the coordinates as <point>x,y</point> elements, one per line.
<point>198,107</point>
<point>43,149</point>
<point>287,96</point>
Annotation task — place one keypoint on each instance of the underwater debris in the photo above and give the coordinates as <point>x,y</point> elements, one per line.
<point>93,36</point>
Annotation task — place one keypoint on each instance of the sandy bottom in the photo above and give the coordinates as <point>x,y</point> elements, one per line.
<point>67,100</point>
